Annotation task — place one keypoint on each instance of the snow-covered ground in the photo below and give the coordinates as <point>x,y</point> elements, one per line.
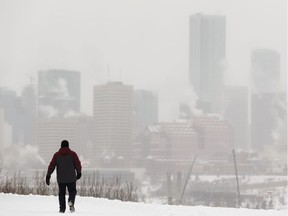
<point>31,205</point>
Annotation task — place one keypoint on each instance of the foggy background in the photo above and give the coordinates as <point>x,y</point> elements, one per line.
<point>145,85</point>
<point>145,43</point>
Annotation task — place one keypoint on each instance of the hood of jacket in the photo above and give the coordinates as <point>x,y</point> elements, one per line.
<point>64,150</point>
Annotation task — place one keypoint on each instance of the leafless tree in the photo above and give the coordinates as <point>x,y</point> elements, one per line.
<point>1,165</point>
<point>1,170</point>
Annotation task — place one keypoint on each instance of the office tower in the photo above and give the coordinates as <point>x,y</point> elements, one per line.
<point>5,132</point>
<point>145,109</point>
<point>236,100</point>
<point>113,113</point>
<point>13,113</point>
<point>268,120</point>
<point>268,102</point>
<point>265,73</point>
<point>58,93</point>
<point>51,131</point>
<point>207,53</point>
<point>29,105</point>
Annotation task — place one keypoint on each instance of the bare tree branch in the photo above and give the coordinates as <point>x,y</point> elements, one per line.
<point>1,163</point>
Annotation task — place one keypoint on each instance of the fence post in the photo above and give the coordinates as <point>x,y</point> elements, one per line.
<point>236,173</point>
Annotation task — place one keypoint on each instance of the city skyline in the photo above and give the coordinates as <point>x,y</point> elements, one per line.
<point>178,97</point>
<point>180,58</point>
<point>149,51</point>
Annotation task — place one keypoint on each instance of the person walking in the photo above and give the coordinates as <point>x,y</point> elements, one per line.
<point>68,172</point>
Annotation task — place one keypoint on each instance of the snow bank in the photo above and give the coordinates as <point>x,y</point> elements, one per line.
<point>21,205</point>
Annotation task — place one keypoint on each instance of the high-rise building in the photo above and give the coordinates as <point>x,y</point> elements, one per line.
<point>207,53</point>
<point>268,101</point>
<point>113,115</point>
<point>145,109</point>
<point>265,71</point>
<point>58,93</point>
<point>52,131</point>
<point>236,112</point>
<point>13,113</point>
<point>29,105</point>
<point>268,120</point>
<point>5,132</point>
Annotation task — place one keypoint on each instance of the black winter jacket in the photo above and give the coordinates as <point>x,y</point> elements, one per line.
<point>67,163</point>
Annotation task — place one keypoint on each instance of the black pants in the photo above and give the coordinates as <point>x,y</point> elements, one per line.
<point>62,192</point>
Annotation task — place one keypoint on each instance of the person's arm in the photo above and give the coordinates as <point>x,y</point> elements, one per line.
<point>51,169</point>
<point>78,166</point>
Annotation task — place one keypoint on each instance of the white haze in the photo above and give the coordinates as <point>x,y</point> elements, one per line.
<point>142,43</point>
<point>18,158</point>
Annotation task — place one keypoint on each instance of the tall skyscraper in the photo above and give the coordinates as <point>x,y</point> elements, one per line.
<point>113,114</point>
<point>58,93</point>
<point>5,133</point>
<point>268,101</point>
<point>207,53</point>
<point>145,109</point>
<point>13,113</point>
<point>236,111</point>
<point>29,106</point>
<point>52,131</point>
<point>265,71</point>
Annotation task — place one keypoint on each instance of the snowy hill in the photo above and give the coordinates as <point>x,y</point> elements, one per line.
<point>32,205</point>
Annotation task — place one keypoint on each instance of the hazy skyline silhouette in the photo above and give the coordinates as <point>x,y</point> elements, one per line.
<point>142,43</point>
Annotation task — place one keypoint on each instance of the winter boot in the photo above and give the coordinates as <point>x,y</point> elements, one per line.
<point>71,206</point>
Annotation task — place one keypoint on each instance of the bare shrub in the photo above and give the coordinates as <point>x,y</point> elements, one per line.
<point>1,164</point>
<point>40,184</point>
<point>7,186</point>
<point>93,186</point>
<point>21,183</point>
<point>1,169</point>
<point>110,188</point>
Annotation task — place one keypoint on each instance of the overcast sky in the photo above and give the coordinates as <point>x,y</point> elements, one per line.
<point>144,42</point>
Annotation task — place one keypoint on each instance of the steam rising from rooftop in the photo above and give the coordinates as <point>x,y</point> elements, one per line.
<point>21,158</point>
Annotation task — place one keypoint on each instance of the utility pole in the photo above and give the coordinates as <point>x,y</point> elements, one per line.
<point>178,186</point>
<point>169,188</point>
<point>187,178</point>
<point>236,173</point>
